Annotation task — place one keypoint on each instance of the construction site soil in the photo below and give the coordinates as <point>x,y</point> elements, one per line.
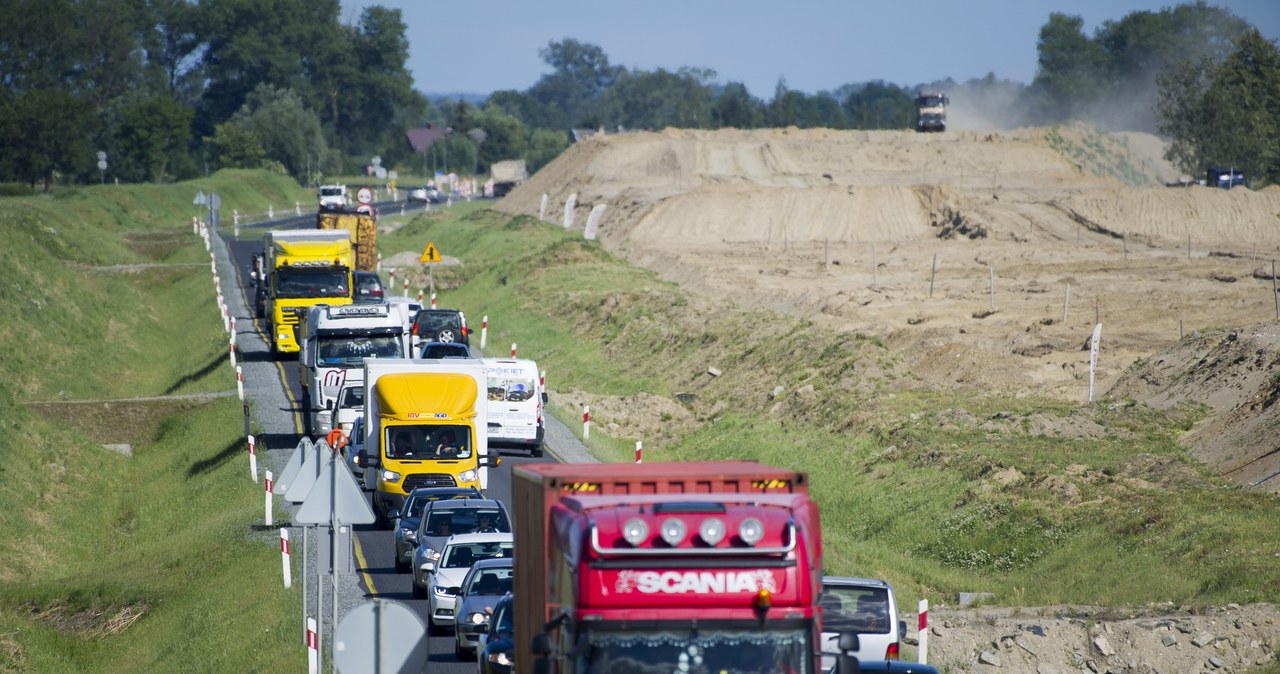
<point>985,260</point>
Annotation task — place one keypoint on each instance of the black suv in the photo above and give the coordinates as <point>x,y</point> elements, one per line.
<point>440,325</point>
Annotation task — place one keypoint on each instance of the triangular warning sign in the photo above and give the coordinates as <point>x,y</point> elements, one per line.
<point>431,254</point>
<point>335,497</point>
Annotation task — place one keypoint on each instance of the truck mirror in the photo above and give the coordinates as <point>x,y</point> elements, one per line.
<point>369,460</point>
<point>393,514</point>
<point>544,397</point>
<point>332,404</point>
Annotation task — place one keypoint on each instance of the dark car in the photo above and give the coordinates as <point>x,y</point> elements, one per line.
<point>408,517</point>
<point>487,582</point>
<point>368,288</point>
<point>445,350</point>
<point>440,325</point>
<point>896,666</point>
<point>496,648</point>
<point>442,519</point>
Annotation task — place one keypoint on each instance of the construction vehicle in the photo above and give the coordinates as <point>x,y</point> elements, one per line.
<point>700,566</point>
<point>931,112</point>
<point>364,233</point>
<point>1226,178</point>
<point>303,268</point>
<point>506,175</point>
<point>411,408</point>
<point>334,342</point>
<point>333,197</point>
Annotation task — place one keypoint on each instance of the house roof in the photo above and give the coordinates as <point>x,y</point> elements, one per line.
<point>422,137</point>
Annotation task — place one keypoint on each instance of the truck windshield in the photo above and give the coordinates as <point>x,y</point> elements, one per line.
<point>312,283</point>
<point>428,442</point>
<point>339,351</point>
<point>700,651</point>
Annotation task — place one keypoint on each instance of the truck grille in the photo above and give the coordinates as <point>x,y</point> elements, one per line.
<point>412,482</point>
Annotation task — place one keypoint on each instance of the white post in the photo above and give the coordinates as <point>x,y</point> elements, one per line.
<point>284,556</point>
<point>297,208</point>
<point>484,331</point>
<point>404,292</point>
<point>378,268</point>
<point>513,349</point>
<point>433,300</point>
<point>253,458</point>
<point>313,648</point>
<point>268,484</point>
<point>923,635</point>
<point>271,212</point>
<point>586,421</point>
<point>1093,356</point>
<point>240,382</point>
<point>639,449</point>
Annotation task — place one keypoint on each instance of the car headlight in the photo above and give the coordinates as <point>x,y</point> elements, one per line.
<point>408,534</point>
<point>478,618</point>
<point>390,476</point>
<point>467,476</point>
<point>441,591</point>
<point>499,658</point>
<point>434,554</point>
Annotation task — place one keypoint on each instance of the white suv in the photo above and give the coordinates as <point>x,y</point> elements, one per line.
<point>333,197</point>
<point>865,607</point>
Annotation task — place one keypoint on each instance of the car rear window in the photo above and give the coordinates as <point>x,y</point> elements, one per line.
<point>855,609</point>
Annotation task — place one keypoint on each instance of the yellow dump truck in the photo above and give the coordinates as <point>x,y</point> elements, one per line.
<point>303,267</point>
<point>364,234</point>
<point>427,426</point>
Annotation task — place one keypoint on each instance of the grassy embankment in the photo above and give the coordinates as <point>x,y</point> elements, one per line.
<point>149,562</point>
<point>937,491</point>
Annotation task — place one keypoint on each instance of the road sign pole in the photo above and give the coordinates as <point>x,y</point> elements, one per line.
<point>431,279</point>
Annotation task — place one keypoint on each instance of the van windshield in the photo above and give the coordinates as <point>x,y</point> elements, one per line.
<point>337,351</point>
<point>447,442</point>
<point>510,389</point>
<point>312,283</point>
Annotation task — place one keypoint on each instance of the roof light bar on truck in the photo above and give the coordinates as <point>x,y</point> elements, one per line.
<point>750,550</point>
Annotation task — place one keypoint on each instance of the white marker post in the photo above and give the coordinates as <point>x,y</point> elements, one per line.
<point>253,458</point>
<point>313,648</point>
<point>542,380</point>
<point>405,291</point>
<point>240,382</point>
<point>513,349</point>
<point>233,329</point>
<point>391,283</point>
<point>639,449</point>
<point>284,556</point>
<point>586,421</point>
<point>484,331</point>
<point>233,355</point>
<point>378,267</point>
<point>1093,356</point>
<point>420,293</point>
<point>923,628</point>
<point>433,299</point>
<point>268,483</point>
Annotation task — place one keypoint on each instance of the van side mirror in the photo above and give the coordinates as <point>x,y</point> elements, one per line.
<point>544,397</point>
<point>369,460</point>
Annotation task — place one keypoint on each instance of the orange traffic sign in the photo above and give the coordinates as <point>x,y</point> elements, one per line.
<point>431,254</point>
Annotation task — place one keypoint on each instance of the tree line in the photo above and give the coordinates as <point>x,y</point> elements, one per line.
<point>172,89</point>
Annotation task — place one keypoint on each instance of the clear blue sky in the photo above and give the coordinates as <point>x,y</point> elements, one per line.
<point>479,47</point>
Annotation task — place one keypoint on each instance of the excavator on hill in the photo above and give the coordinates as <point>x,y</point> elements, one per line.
<point>931,112</point>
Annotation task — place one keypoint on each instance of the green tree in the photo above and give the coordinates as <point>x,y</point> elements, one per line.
<point>1072,69</point>
<point>506,137</point>
<point>544,145</point>
<point>235,145</point>
<point>580,72</point>
<point>151,133</point>
<point>290,133</point>
<point>654,100</point>
<point>1225,112</point>
<point>735,107</point>
<point>45,131</point>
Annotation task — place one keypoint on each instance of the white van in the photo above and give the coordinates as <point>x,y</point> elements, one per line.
<point>516,399</point>
<point>866,607</point>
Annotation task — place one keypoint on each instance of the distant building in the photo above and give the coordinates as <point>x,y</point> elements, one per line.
<point>422,138</point>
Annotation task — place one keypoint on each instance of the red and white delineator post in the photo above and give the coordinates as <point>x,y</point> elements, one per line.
<point>268,484</point>
<point>639,449</point>
<point>433,300</point>
<point>420,291</point>
<point>284,555</point>
<point>513,349</point>
<point>313,648</point>
<point>484,331</point>
<point>923,635</point>
<point>586,421</point>
<point>240,382</point>
<point>253,458</point>
<point>542,380</point>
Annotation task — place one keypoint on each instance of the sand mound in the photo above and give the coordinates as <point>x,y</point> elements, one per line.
<point>986,258</point>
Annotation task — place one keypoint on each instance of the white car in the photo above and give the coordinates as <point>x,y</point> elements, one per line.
<point>440,580</point>
<point>863,606</point>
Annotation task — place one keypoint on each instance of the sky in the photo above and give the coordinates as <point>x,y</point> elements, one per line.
<point>815,45</point>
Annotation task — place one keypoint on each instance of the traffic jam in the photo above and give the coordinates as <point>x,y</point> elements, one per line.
<point>506,551</point>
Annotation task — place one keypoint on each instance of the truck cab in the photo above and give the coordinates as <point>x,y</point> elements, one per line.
<point>931,112</point>
<point>334,341</point>
<point>333,197</point>
<point>426,427</point>
<point>303,268</point>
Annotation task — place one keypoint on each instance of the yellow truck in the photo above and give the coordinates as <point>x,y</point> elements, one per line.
<point>303,268</point>
<point>364,234</point>
<point>427,425</point>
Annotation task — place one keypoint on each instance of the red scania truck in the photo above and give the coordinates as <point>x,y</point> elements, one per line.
<point>673,567</point>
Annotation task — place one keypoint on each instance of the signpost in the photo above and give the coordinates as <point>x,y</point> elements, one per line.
<point>430,257</point>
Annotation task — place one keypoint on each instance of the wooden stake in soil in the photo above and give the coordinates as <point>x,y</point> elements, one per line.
<point>1125,240</point>
<point>991,271</point>
<point>932,273</point>
<point>1066,302</point>
<point>1188,246</point>
<point>1180,333</point>
<point>1274,295</point>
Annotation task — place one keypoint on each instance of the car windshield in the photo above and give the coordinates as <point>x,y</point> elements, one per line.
<point>312,283</point>
<point>330,191</point>
<point>466,520</point>
<point>490,582</point>
<point>746,651</point>
<point>463,555</point>
<point>435,350</point>
<point>428,442</point>
<point>338,351</point>
<point>855,609</point>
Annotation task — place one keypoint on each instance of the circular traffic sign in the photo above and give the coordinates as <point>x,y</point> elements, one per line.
<point>365,208</point>
<point>364,195</point>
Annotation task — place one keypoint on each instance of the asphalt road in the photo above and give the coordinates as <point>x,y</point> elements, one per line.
<point>272,386</point>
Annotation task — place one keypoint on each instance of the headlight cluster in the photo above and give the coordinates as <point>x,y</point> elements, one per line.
<point>390,476</point>
<point>478,618</point>
<point>467,476</point>
<point>499,658</point>
<point>673,531</point>
<point>441,591</point>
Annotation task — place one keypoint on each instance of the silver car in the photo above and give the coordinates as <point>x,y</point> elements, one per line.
<point>480,591</point>
<point>440,580</point>
<point>866,607</point>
